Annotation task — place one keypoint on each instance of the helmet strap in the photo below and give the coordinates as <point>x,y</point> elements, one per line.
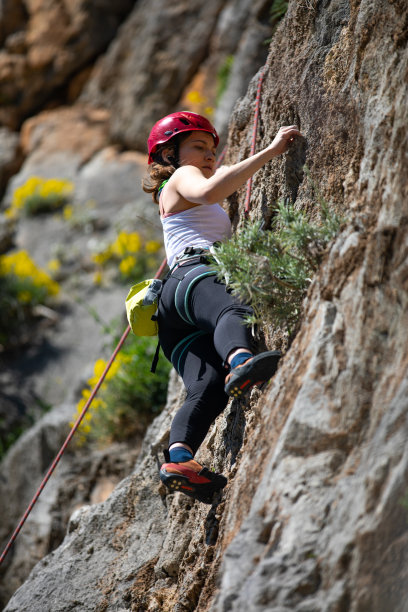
<point>174,159</point>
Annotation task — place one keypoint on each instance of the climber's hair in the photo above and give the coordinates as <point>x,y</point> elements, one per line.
<point>160,170</point>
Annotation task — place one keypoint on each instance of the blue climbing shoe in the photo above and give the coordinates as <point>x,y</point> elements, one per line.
<point>254,371</point>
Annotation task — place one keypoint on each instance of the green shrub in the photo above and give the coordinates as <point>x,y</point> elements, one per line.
<point>223,76</point>
<point>277,12</point>
<point>8,437</point>
<point>130,397</point>
<point>271,269</point>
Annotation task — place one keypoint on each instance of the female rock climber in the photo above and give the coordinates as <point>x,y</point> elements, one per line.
<point>201,325</point>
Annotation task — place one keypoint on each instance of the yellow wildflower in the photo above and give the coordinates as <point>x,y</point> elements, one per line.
<point>37,190</point>
<point>195,97</point>
<point>152,246</point>
<point>102,257</point>
<point>54,265</point>
<point>24,297</point>
<point>24,191</point>
<point>98,403</point>
<point>68,212</point>
<point>21,265</point>
<point>126,243</point>
<point>98,278</point>
<point>113,369</point>
<point>86,393</point>
<point>99,367</point>
<point>127,265</point>
<point>119,245</point>
<point>133,242</point>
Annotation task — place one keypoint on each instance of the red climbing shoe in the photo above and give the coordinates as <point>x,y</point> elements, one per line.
<point>254,371</point>
<point>192,479</point>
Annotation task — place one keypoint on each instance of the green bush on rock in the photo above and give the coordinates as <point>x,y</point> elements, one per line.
<point>271,269</point>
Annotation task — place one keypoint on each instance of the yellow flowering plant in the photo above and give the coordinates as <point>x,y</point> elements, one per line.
<point>23,286</point>
<point>128,399</point>
<point>199,103</point>
<point>132,256</point>
<point>38,194</point>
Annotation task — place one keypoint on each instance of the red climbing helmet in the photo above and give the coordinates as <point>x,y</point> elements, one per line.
<point>171,125</point>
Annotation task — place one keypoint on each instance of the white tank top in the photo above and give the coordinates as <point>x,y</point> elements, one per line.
<point>199,226</point>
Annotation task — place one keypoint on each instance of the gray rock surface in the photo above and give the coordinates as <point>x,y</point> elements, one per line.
<point>172,41</point>
<point>10,156</point>
<point>134,500</point>
<point>205,35</point>
<point>314,517</point>
<point>83,476</point>
<point>249,50</point>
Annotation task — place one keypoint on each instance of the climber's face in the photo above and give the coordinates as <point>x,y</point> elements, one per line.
<point>198,149</point>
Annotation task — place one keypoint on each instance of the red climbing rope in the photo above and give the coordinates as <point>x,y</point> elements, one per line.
<point>119,346</point>
<point>254,134</point>
<point>221,157</point>
<point>72,432</point>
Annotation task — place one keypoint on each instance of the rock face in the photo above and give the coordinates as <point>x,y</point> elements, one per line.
<point>314,517</point>
<point>173,46</point>
<point>47,43</point>
<point>143,81</point>
<point>242,33</point>
<point>10,156</point>
<point>81,478</point>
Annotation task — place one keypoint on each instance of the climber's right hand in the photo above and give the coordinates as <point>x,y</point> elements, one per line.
<point>284,138</point>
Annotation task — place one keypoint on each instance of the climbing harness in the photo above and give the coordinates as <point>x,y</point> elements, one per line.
<point>186,123</point>
<point>178,354</point>
<point>187,282</point>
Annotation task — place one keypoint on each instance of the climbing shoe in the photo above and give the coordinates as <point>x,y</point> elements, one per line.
<point>254,371</point>
<point>183,477</point>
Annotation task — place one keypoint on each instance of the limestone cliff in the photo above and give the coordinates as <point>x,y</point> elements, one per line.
<point>314,517</point>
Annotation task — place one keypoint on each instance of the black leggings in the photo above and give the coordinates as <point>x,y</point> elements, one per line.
<point>197,331</point>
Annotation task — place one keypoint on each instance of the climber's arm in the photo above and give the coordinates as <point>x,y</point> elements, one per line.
<point>192,185</point>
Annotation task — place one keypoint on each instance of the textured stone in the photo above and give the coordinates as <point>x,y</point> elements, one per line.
<point>83,476</point>
<point>252,23</point>
<point>46,44</point>
<point>58,143</point>
<point>142,82</point>
<point>314,516</point>
<point>10,156</point>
